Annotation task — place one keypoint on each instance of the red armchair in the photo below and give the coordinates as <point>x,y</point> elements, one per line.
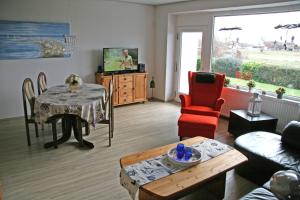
<point>204,98</point>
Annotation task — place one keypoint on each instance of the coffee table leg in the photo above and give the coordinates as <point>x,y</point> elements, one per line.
<point>145,196</point>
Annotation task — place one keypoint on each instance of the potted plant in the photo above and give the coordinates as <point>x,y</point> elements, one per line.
<point>226,82</point>
<point>251,84</point>
<point>280,91</point>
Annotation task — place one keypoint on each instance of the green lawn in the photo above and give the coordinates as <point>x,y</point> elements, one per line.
<point>290,59</point>
<point>265,87</point>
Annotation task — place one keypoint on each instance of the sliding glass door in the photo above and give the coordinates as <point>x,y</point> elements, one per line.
<point>189,49</point>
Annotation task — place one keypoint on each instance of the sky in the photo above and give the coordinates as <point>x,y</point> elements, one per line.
<point>255,27</point>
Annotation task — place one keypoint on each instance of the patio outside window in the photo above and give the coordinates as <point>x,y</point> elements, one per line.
<point>263,47</point>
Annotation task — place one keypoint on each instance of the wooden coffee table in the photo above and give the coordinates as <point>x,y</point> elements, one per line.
<point>210,174</point>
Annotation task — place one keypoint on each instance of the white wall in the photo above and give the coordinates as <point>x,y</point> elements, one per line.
<point>207,9</point>
<point>96,24</point>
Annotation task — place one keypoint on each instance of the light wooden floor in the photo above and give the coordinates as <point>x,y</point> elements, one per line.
<point>35,173</point>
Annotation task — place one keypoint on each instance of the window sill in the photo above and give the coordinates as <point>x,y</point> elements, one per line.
<point>270,95</point>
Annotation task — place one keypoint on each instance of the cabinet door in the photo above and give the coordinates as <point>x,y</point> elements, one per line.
<point>140,87</point>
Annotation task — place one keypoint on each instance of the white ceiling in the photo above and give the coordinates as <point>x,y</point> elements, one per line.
<point>154,2</point>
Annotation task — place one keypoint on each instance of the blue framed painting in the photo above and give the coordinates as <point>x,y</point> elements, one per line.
<point>22,40</point>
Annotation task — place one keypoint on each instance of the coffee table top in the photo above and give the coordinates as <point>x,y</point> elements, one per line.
<point>183,180</point>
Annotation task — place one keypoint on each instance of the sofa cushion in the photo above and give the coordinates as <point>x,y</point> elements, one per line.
<point>259,194</point>
<point>291,135</point>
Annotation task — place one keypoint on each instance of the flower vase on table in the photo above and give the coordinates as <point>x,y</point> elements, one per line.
<point>73,81</point>
<point>73,87</point>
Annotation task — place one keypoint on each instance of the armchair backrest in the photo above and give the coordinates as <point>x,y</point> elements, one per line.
<point>205,94</point>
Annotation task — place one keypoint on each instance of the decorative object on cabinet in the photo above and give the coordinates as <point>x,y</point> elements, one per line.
<point>152,86</point>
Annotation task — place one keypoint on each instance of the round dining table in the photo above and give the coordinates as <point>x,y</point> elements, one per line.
<point>73,108</point>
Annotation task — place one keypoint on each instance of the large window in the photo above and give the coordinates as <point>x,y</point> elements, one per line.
<point>263,47</point>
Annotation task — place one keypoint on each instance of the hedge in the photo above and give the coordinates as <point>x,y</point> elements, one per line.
<point>226,65</point>
<point>260,72</point>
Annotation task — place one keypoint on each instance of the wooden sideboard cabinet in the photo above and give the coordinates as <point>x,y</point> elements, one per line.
<point>128,88</point>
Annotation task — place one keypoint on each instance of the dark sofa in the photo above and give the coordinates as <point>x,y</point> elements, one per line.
<point>259,194</point>
<point>268,153</point>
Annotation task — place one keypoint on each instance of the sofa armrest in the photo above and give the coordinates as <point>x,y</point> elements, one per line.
<point>219,104</point>
<point>185,100</point>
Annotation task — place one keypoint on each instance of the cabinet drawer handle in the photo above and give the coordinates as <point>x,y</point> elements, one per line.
<point>124,79</point>
<point>125,86</point>
<point>125,93</point>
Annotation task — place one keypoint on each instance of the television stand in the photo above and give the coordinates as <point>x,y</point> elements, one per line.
<point>128,88</point>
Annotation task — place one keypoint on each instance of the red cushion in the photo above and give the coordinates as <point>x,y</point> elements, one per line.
<point>198,120</point>
<point>200,110</point>
<point>197,125</point>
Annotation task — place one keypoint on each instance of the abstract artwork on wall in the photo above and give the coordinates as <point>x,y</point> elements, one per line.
<point>21,40</point>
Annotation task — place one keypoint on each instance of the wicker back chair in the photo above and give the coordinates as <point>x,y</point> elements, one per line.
<point>29,99</point>
<point>108,111</point>
<point>41,83</point>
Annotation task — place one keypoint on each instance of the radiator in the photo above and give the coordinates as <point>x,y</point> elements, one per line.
<point>284,110</point>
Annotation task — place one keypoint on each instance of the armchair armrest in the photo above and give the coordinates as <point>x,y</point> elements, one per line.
<point>185,100</point>
<point>219,104</point>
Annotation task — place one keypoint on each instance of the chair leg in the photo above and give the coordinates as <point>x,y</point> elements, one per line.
<point>42,126</point>
<point>109,134</point>
<point>87,128</point>
<point>27,133</point>
<point>180,138</point>
<point>36,129</point>
<point>54,134</point>
<point>112,122</point>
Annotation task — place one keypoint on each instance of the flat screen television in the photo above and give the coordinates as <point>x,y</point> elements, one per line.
<point>120,60</point>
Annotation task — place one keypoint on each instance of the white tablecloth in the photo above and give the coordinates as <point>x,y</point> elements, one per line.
<point>87,102</point>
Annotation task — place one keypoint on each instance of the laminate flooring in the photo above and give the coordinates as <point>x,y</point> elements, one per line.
<point>70,172</point>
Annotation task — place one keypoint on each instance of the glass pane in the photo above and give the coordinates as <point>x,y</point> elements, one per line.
<point>264,48</point>
<point>191,43</point>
